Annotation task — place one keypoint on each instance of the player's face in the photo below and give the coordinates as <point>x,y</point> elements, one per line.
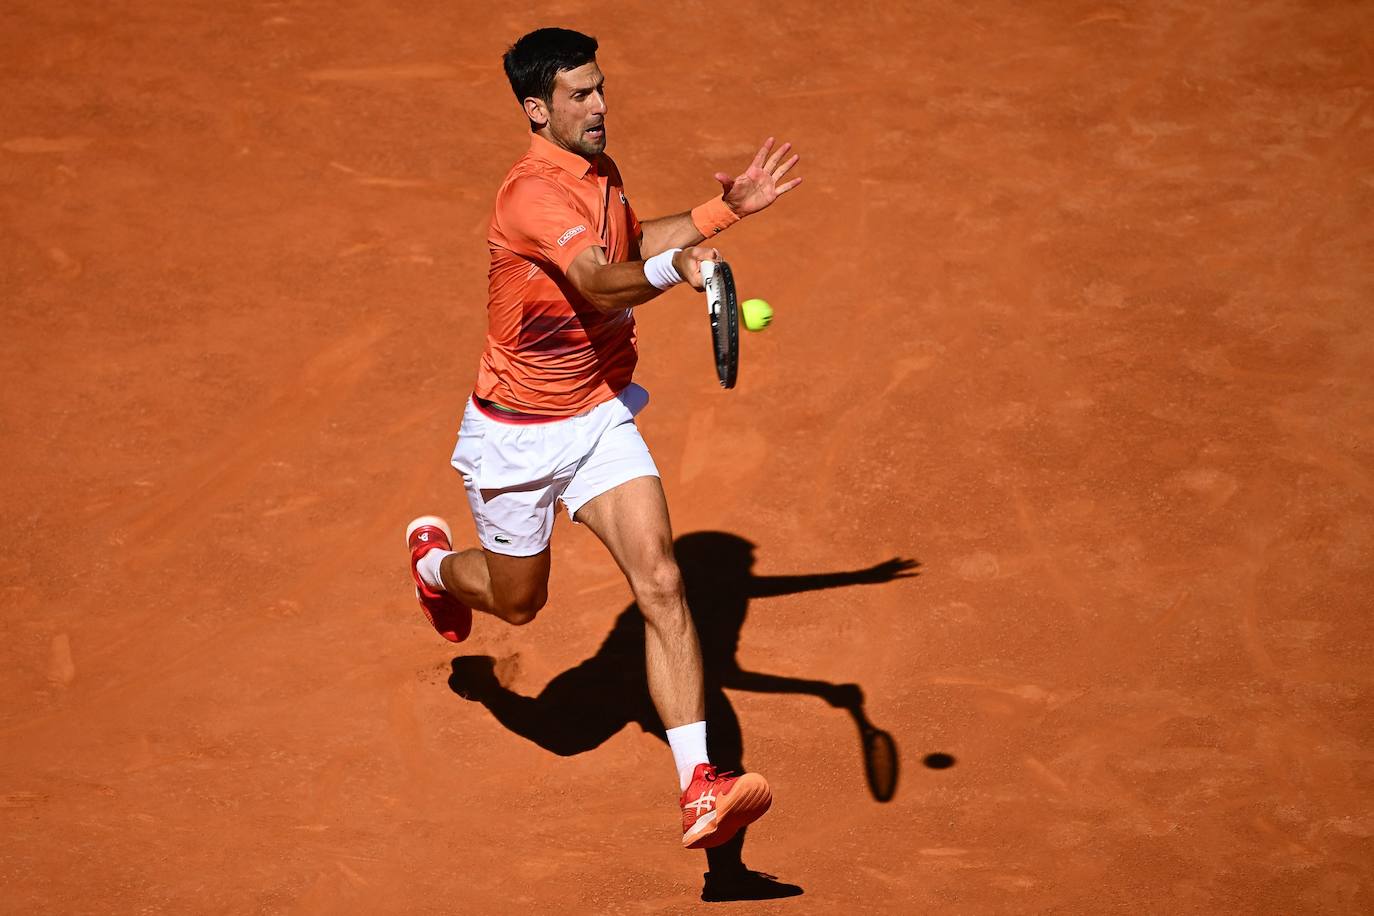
<point>577,111</point>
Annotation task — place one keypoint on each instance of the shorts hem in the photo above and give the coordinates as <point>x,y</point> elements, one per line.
<point>611,485</point>
<point>513,550</point>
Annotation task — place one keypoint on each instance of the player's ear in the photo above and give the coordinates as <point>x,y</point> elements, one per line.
<point>537,110</point>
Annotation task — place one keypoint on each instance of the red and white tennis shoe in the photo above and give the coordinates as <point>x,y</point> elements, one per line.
<point>716,806</point>
<point>450,617</point>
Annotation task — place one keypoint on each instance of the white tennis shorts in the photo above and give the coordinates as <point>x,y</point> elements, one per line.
<point>514,473</point>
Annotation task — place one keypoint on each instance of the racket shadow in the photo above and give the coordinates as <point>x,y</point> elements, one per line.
<point>582,707</point>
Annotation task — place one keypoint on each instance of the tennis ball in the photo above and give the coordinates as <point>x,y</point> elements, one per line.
<point>757,314</point>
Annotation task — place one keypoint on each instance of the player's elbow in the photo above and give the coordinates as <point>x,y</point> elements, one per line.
<point>612,306</point>
<point>600,284</point>
<point>606,303</point>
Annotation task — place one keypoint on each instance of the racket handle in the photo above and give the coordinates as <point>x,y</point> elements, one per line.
<point>708,270</point>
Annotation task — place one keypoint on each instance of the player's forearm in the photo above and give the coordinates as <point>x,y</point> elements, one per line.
<point>614,286</point>
<point>676,231</point>
<point>683,229</point>
<point>773,586</point>
<point>618,286</point>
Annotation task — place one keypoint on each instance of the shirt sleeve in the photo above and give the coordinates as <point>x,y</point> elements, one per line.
<point>543,221</point>
<point>636,230</point>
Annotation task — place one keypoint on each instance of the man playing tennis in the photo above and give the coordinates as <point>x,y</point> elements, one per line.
<point>552,414</point>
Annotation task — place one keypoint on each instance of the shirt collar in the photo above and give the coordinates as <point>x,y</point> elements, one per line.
<point>564,159</point>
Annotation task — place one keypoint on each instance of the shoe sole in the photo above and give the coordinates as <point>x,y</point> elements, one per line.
<point>431,520</point>
<point>748,801</point>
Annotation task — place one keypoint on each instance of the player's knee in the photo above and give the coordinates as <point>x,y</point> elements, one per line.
<point>519,618</point>
<point>660,586</point>
<point>522,609</point>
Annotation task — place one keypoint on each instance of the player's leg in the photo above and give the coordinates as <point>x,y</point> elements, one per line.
<point>617,493</point>
<point>451,585</point>
<point>513,476</point>
<point>511,588</point>
<point>632,521</point>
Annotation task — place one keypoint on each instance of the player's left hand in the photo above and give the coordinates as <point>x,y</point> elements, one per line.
<point>886,571</point>
<point>761,183</point>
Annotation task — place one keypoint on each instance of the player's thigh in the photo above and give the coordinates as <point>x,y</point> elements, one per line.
<point>617,493</point>
<point>631,519</point>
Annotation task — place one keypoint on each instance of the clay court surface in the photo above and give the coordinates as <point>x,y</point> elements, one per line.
<point>1073,308</point>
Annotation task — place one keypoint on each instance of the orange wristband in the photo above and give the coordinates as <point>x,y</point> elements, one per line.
<point>713,217</point>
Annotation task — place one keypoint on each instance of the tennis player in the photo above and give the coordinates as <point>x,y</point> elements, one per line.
<point>552,416</point>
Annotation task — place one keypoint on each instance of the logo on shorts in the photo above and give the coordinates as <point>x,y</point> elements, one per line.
<point>501,539</point>
<point>563,239</point>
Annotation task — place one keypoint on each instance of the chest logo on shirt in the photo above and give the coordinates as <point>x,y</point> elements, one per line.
<point>563,239</point>
<point>622,198</point>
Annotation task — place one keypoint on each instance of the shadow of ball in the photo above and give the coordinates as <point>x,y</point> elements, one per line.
<point>938,761</point>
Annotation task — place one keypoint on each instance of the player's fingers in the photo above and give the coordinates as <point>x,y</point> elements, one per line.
<point>691,271</point>
<point>701,274</point>
<point>788,185</point>
<point>763,153</point>
<point>700,256</point>
<point>785,167</point>
<point>778,153</point>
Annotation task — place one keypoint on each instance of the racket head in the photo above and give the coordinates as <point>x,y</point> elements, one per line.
<point>722,307</point>
<point>880,763</point>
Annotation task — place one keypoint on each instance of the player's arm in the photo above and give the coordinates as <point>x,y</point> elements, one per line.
<point>615,286</point>
<point>541,221</point>
<point>754,189</point>
<point>676,231</point>
<point>772,586</point>
<point>843,696</point>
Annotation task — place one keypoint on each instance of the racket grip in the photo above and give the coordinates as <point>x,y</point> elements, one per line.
<point>708,270</point>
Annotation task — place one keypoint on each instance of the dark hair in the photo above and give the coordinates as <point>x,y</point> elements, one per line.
<point>533,62</point>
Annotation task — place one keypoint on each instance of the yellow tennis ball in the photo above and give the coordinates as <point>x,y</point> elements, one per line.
<point>757,314</point>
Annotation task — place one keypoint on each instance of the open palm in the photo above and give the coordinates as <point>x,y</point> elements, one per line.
<point>762,182</point>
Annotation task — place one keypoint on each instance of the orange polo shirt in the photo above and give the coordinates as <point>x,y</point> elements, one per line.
<point>548,351</point>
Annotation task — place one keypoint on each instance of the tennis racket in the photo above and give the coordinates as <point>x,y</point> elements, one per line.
<point>880,759</point>
<point>723,309</point>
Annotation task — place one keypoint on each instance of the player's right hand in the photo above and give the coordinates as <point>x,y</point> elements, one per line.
<point>688,264</point>
<point>844,696</point>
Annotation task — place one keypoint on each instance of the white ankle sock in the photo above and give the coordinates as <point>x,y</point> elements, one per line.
<point>428,568</point>
<point>689,749</point>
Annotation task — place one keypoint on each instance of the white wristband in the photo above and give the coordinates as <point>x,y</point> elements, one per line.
<point>659,270</point>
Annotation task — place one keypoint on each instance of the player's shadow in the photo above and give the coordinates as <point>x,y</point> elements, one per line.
<point>583,706</point>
